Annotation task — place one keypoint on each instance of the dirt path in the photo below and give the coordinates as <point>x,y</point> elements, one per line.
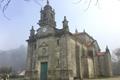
<point>113,78</point>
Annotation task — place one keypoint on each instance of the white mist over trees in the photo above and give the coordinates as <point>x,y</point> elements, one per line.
<point>15,58</point>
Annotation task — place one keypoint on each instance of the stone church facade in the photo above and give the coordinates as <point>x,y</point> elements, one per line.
<point>58,54</point>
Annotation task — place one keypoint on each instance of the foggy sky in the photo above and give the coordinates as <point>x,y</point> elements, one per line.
<point>101,21</point>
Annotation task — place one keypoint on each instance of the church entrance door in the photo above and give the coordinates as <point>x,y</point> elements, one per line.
<point>44,69</point>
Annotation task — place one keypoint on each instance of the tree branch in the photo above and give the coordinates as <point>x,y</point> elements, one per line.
<point>5,3</point>
<point>88,5</point>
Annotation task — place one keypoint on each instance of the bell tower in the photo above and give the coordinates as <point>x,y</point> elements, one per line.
<point>47,16</point>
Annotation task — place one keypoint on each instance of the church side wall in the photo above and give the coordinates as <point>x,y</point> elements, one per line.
<point>84,61</point>
<point>28,63</point>
<point>31,60</point>
<point>97,69</point>
<point>105,65</point>
<point>28,58</point>
<point>108,64</point>
<point>102,65</point>
<point>90,67</point>
<point>64,74</point>
<point>72,57</point>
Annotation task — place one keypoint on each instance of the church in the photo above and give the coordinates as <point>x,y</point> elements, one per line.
<point>58,54</point>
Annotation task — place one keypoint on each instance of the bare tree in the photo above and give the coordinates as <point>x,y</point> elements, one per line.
<point>116,52</point>
<point>5,70</point>
<point>5,3</point>
<point>116,62</point>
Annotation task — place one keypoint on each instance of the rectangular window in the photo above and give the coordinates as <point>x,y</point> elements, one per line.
<point>77,49</point>
<point>83,52</point>
<point>34,46</point>
<point>90,53</point>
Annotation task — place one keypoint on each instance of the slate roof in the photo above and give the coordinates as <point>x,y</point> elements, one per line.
<point>100,53</point>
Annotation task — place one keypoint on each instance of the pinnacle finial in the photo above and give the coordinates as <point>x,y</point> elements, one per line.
<point>107,46</point>
<point>107,49</point>
<point>47,2</point>
<point>41,8</point>
<point>32,31</point>
<point>32,28</point>
<point>64,17</point>
<point>76,31</point>
<point>84,30</point>
<point>65,20</point>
